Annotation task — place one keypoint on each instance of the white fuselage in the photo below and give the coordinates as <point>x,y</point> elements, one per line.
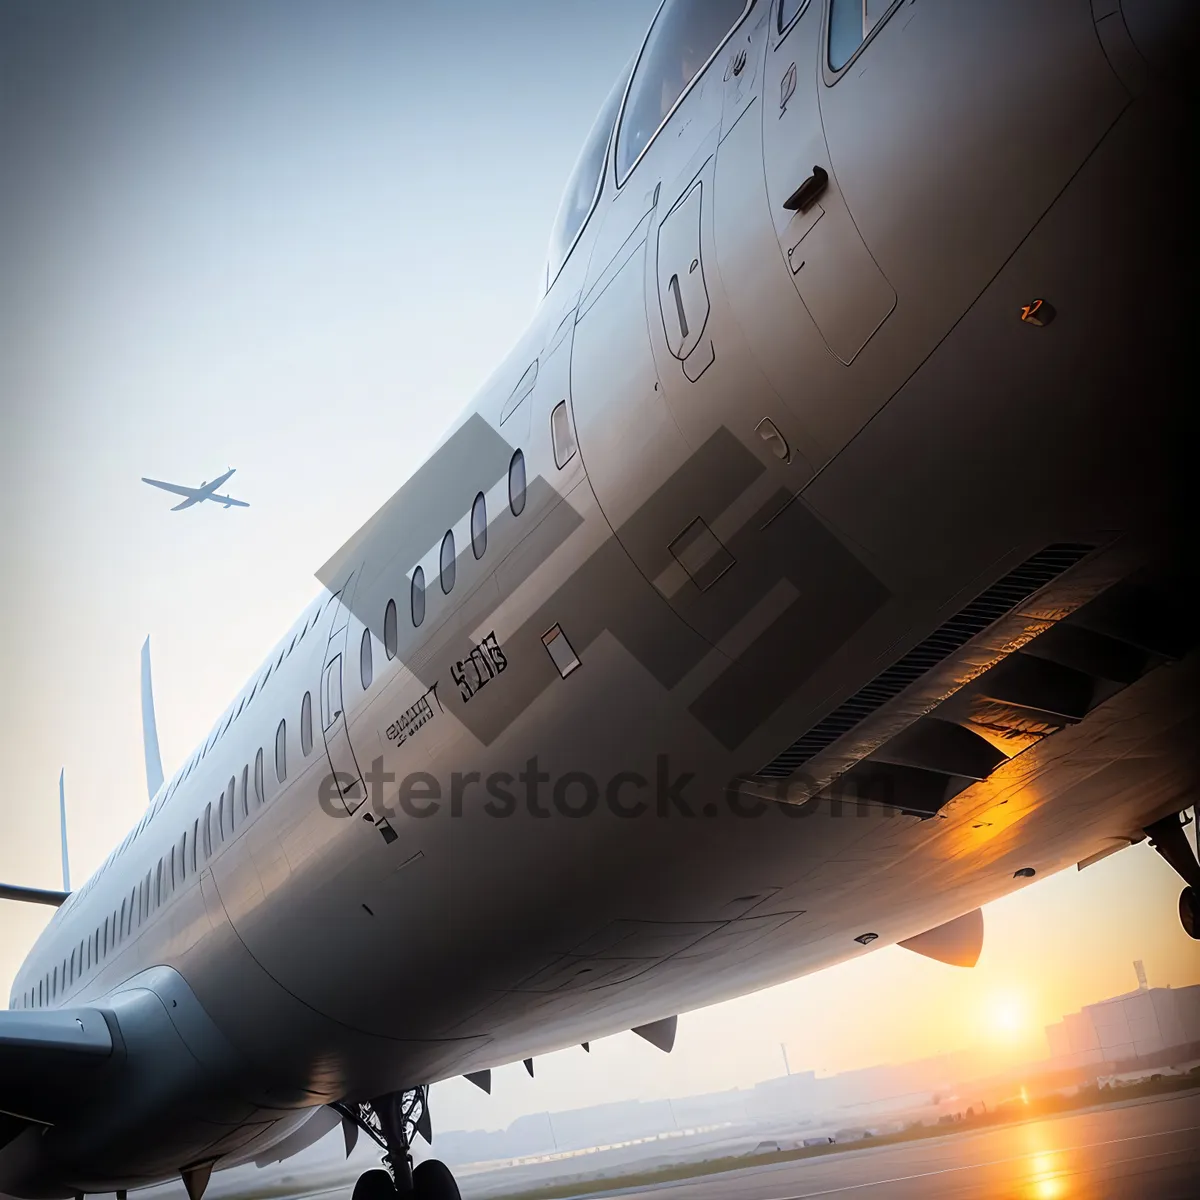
<point>772,486</point>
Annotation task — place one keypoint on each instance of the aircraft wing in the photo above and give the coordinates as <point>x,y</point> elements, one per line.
<point>228,501</point>
<point>216,483</point>
<point>177,488</point>
<point>47,1058</point>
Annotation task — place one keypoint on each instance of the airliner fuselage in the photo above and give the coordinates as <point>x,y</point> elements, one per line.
<point>804,579</point>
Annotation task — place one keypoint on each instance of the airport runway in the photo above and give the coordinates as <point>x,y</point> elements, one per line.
<point>1147,1151</point>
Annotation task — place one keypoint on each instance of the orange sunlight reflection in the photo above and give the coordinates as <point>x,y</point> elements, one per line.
<point>1046,1168</point>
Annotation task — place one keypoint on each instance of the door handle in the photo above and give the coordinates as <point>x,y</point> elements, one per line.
<point>805,196</point>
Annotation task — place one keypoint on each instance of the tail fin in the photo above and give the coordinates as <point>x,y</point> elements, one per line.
<point>154,771</point>
<point>32,895</point>
<point>62,826</point>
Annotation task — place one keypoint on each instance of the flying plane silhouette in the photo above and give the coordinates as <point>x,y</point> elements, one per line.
<point>206,491</point>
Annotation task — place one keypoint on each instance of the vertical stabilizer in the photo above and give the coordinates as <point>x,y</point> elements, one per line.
<point>62,827</point>
<point>154,771</point>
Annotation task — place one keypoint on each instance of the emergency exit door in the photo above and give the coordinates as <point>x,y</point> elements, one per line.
<point>342,762</point>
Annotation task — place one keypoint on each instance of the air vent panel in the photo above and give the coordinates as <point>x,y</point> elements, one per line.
<point>986,609</point>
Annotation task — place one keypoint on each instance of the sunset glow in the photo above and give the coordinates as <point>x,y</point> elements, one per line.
<point>1008,1016</point>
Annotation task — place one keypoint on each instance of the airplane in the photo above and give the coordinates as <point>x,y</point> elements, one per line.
<point>813,571</point>
<point>206,491</point>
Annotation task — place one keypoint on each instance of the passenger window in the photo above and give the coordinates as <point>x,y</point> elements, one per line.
<point>281,751</point>
<point>682,39</point>
<point>306,720</point>
<point>561,435</point>
<point>391,637</point>
<point>516,483</point>
<point>479,526</point>
<point>366,669</point>
<point>447,562</point>
<point>583,187</point>
<point>246,791</point>
<point>850,24</point>
<point>221,816</point>
<point>418,596</point>
<point>789,10</point>
<point>259,792</point>
<point>208,844</point>
<point>231,802</point>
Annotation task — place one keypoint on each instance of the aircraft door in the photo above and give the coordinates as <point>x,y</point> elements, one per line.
<point>807,296</point>
<point>839,283</point>
<point>342,761</point>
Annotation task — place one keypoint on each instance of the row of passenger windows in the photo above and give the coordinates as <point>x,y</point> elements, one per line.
<point>194,847</point>
<point>448,554</point>
<point>207,833</point>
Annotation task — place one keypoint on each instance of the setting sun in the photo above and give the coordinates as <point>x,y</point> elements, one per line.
<point>1007,1016</point>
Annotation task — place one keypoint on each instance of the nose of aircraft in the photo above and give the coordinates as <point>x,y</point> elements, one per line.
<point>1166,32</point>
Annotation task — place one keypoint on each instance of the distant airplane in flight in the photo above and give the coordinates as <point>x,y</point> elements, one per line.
<point>206,491</point>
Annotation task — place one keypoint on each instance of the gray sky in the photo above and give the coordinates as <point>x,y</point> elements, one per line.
<point>294,238</point>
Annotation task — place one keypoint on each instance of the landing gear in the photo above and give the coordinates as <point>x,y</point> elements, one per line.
<point>1189,911</point>
<point>374,1185</point>
<point>432,1181</point>
<point>392,1121</point>
<point>1169,839</point>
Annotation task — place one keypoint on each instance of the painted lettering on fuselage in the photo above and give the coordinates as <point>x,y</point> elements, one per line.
<point>484,662</point>
<point>414,718</point>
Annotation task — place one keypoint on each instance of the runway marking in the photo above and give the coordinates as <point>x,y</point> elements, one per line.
<point>997,1162</point>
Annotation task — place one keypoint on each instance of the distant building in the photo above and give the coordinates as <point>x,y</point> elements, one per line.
<point>1144,1024</point>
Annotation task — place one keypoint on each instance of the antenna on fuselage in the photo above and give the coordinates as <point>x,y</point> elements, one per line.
<point>154,771</point>
<point>62,828</point>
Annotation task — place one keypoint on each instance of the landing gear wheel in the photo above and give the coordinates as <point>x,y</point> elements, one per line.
<point>374,1185</point>
<point>432,1180</point>
<point>1189,911</point>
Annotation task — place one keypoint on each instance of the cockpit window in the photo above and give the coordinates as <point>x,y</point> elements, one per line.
<point>682,39</point>
<point>789,10</point>
<point>851,22</point>
<point>583,188</point>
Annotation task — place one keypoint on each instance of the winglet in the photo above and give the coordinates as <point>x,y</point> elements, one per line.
<point>154,771</point>
<point>62,826</point>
